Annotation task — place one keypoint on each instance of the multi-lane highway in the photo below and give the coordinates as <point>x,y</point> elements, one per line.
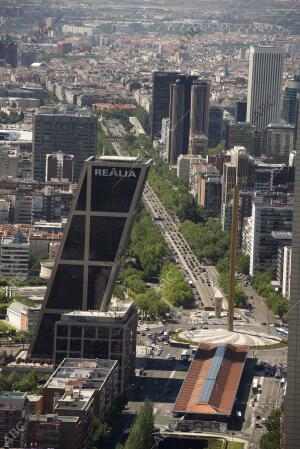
<point>195,273</point>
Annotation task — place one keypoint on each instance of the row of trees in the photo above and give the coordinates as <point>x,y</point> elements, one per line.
<point>12,118</point>
<point>174,288</point>
<point>104,145</point>
<point>142,433</point>
<point>271,439</point>
<point>275,301</point>
<point>173,193</point>
<point>30,382</point>
<point>223,268</point>
<point>147,245</point>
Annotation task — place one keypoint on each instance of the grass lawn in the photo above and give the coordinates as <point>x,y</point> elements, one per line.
<point>235,445</point>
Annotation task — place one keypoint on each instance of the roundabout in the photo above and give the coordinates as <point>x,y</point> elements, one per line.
<point>222,336</point>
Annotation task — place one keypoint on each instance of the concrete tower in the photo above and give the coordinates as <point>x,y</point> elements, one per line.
<point>200,96</point>
<point>265,86</point>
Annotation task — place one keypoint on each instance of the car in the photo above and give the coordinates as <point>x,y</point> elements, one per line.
<point>193,328</point>
<point>143,334</point>
<point>264,323</point>
<point>166,343</point>
<point>168,357</point>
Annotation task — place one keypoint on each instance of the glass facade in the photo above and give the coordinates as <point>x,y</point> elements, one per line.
<point>74,245</point>
<point>66,291</point>
<point>113,188</point>
<point>110,230</point>
<point>87,281</point>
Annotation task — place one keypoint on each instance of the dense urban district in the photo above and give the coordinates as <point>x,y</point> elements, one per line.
<point>149,224</point>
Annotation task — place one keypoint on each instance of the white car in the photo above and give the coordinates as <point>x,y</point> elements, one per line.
<point>168,357</point>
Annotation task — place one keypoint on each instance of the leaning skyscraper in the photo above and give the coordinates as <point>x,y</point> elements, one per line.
<point>94,243</point>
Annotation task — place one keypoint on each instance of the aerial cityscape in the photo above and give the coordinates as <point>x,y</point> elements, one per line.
<point>150,224</point>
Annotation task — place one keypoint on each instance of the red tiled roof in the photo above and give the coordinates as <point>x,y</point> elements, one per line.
<point>225,385</point>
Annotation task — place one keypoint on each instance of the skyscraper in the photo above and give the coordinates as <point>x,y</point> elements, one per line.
<point>216,126</point>
<point>292,399</point>
<point>180,111</point>
<point>241,111</point>
<point>200,96</point>
<point>289,101</point>
<point>94,243</point>
<point>9,51</point>
<point>160,99</point>
<point>62,129</point>
<point>264,86</point>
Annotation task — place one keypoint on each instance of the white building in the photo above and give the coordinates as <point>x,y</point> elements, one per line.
<point>265,86</point>
<point>14,254</point>
<point>22,317</point>
<point>286,272</point>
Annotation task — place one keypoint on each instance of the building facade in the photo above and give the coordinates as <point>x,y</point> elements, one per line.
<point>265,86</point>
<point>109,335</point>
<point>14,256</point>
<point>160,100</point>
<point>292,399</point>
<point>72,132</point>
<point>267,218</point>
<point>94,243</point>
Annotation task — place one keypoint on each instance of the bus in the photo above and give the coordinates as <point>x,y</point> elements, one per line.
<point>184,356</point>
<point>178,344</point>
<point>282,332</point>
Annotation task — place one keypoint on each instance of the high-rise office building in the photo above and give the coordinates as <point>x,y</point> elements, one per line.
<point>240,134</point>
<point>94,243</point>
<point>241,111</point>
<point>27,58</point>
<point>216,126</point>
<point>268,218</point>
<point>179,114</point>
<point>160,100</point>
<point>265,86</point>
<point>9,51</point>
<point>292,400</point>
<point>289,101</point>
<point>200,96</point>
<point>280,142</point>
<point>61,129</point>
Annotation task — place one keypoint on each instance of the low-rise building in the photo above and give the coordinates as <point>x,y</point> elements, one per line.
<point>14,256</point>
<point>22,317</point>
<point>13,414</point>
<point>57,432</point>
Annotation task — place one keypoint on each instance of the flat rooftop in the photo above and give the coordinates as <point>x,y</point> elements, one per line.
<point>117,311</point>
<point>212,381</point>
<point>54,418</point>
<point>81,373</point>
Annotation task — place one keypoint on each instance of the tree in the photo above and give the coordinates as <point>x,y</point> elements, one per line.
<point>102,434</point>
<point>271,439</point>
<point>151,305</point>
<point>142,433</point>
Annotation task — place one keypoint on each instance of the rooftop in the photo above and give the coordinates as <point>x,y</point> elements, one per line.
<point>117,311</point>
<point>54,418</point>
<point>81,373</point>
<point>212,381</point>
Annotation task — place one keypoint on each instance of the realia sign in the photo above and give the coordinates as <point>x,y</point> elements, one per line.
<point>115,172</point>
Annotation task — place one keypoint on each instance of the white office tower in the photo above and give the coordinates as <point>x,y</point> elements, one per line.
<point>265,86</point>
<point>292,399</point>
